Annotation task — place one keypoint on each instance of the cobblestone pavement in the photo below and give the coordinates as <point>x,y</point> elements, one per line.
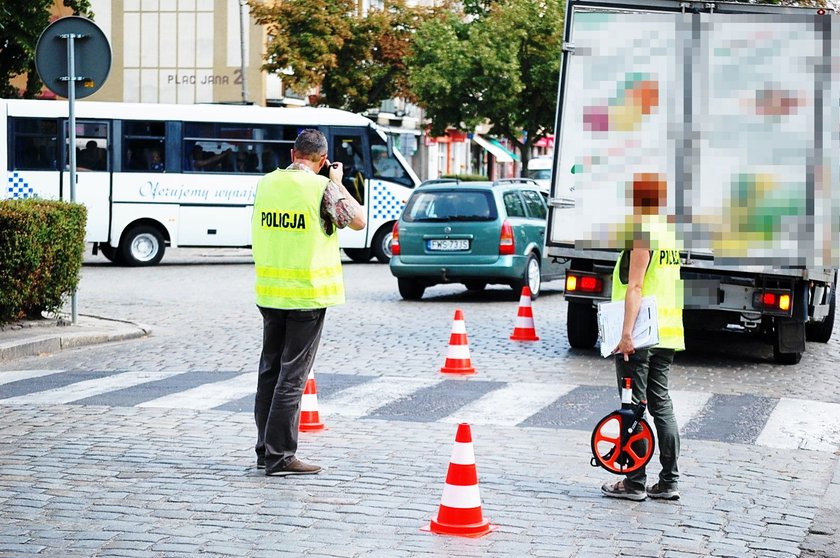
<point>110,480</point>
<point>96,481</point>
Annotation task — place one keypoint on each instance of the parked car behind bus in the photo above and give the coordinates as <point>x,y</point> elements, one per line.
<point>473,233</point>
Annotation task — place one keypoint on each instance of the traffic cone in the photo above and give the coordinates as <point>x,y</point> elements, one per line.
<point>458,357</point>
<point>524,328</point>
<point>310,420</point>
<point>460,506</point>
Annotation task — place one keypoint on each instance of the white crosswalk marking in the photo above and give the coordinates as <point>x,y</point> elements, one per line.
<point>362,399</point>
<point>794,424</point>
<point>510,404</point>
<point>87,388</point>
<point>799,424</point>
<point>207,396</point>
<point>687,405</point>
<point>17,375</point>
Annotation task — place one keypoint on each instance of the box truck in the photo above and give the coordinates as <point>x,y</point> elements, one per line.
<point>735,109</point>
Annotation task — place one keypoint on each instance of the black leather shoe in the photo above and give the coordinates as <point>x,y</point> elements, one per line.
<point>260,462</point>
<point>293,467</point>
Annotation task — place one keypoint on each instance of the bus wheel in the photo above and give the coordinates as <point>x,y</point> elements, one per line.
<point>142,246</point>
<point>382,243</point>
<point>359,255</point>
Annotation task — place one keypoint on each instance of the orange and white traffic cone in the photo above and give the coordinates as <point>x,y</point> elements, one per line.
<point>458,357</point>
<point>524,328</point>
<point>310,419</point>
<point>460,506</point>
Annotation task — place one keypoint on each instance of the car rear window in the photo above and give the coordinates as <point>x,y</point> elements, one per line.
<point>450,205</point>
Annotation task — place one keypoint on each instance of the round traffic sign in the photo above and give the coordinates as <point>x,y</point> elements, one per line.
<point>91,53</point>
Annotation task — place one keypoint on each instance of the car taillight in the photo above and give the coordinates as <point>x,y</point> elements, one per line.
<point>395,240</point>
<point>506,246</point>
<point>583,283</point>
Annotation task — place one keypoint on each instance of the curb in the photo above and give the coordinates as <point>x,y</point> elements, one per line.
<point>103,330</point>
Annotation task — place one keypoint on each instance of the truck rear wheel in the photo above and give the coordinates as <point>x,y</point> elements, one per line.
<point>582,325</point>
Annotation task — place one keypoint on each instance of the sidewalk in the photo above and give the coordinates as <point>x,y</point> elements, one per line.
<point>34,337</point>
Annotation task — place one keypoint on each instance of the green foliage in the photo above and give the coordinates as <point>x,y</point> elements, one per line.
<point>500,65</point>
<point>21,24</point>
<point>357,61</point>
<point>42,244</point>
<point>466,177</point>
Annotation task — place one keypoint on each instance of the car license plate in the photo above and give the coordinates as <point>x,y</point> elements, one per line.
<point>449,245</point>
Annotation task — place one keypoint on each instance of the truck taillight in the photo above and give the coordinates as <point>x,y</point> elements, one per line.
<point>506,245</point>
<point>772,301</point>
<point>395,240</point>
<point>583,284</point>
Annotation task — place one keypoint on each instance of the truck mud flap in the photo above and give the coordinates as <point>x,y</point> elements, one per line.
<point>790,335</point>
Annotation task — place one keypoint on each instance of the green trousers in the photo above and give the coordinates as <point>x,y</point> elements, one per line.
<point>649,369</point>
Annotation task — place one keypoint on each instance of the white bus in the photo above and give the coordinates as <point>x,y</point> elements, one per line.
<point>153,175</point>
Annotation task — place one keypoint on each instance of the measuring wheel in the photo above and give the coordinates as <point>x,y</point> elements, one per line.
<point>621,452</point>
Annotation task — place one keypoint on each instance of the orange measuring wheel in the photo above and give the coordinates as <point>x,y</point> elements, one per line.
<point>622,443</point>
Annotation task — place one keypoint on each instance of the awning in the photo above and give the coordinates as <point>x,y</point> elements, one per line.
<point>501,154</point>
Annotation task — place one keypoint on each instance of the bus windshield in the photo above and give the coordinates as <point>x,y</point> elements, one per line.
<point>386,166</point>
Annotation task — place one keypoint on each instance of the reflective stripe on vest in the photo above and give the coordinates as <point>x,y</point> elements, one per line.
<point>297,265</point>
<point>662,281</point>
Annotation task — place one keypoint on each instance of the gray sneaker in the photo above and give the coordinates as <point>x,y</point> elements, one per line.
<point>621,490</point>
<point>293,467</point>
<point>663,493</point>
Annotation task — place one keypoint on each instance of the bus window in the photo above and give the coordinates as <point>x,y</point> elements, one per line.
<point>205,156</point>
<point>236,148</point>
<point>348,149</point>
<point>385,165</point>
<point>91,146</point>
<point>35,144</point>
<point>144,145</point>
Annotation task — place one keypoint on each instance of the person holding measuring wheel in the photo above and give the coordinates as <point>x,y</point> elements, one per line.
<point>649,267</point>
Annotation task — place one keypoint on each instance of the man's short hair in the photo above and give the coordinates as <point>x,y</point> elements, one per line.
<point>310,144</point>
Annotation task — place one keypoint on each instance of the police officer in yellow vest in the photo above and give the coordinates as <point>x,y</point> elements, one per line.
<point>651,267</point>
<point>298,275</point>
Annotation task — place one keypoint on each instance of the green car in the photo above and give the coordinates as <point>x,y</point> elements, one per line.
<point>473,233</point>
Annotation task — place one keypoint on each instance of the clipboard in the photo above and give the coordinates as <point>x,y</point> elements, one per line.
<point>611,323</point>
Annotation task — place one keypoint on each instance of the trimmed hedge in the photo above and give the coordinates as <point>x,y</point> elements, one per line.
<point>466,177</point>
<point>41,247</point>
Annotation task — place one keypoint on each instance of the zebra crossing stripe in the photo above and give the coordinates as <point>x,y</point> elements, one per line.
<point>17,375</point>
<point>361,400</point>
<point>688,405</point>
<point>800,424</point>
<point>87,388</point>
<point>510,405</point>
<point>207,396</point>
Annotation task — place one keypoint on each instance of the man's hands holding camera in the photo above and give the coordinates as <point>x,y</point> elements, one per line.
<point>336,171</point>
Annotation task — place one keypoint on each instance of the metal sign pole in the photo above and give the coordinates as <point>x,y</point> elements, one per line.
<point>243,64</point>
<point>71,123</point>
<point>94,63</point>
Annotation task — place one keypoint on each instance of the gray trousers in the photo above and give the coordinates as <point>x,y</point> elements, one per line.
<point>649,368</point>
<point>290,341</point>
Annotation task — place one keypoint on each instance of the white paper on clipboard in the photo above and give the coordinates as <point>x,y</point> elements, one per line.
<point>611,323</point>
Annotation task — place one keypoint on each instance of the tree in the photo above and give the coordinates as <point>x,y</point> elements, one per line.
<point>21,24</point>
<point>356,61</point>
<point>497,62</point>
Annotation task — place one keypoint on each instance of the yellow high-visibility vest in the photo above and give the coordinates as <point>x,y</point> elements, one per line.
<point>662,281</point>
<point>298,266</point>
